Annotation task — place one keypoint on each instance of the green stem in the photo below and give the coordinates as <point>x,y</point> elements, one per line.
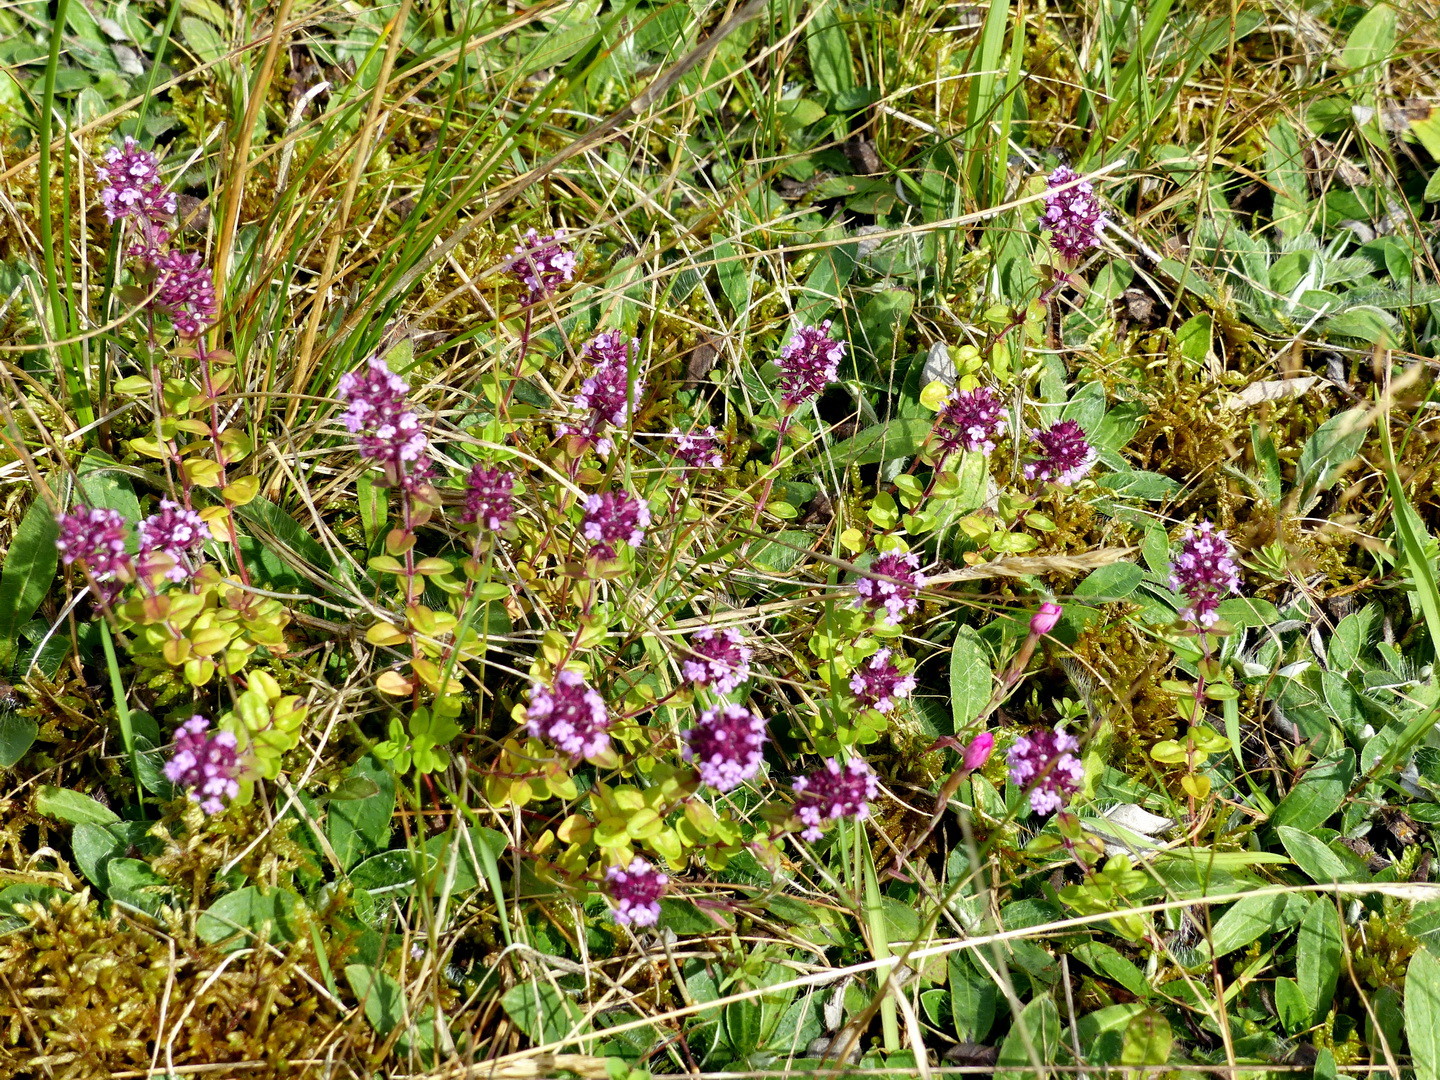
<point>879,943</point>
<point>122,708</point>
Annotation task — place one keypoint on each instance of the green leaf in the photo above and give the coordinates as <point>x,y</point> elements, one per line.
<point>209,46</point>
<point>830,274</point>
<point>131,881</point>
<point>243,917</point>
<point>17,735</point>
<point>1422,1013</point>
<point>1290,1004</point>
<point>71,806</point>
<point>103,485</point>
<point>1147,1040</point>
<point>742,1026</point>
<point>1318,957</point>
<point>1318,794</point>
<point>1107,961</point>
<point>1285,169</point>
<point>29,569</point>
<point>1311,854</point>
<point>829,52</point>
<point>380,995</point>
<point>1335,443</point>
<point>284,528</point>
<point>734,276</point>
<point>1244,921</point>
<point>1138,484</point>
<point>972,1000</point>
<point>882,442</point>
<point>1036,1029</point>
<point>1371,41</point>
<point>542,1012</point>
<point>361,827</point>
<point>970,679</point>
<point>1113,582</point>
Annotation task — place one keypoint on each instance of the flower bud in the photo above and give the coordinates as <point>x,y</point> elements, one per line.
<point>1044,620</point>
<point>978,752</point>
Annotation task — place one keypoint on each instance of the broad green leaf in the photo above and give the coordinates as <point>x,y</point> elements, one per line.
<point>360,827</point>
<point>1113,582</point>
<point>541,1012</point>
<point>1289,179</point>
<point>1244,921</point>
<point>17,735</point>
<point>381,996</point>
<point>103,485</point>
<point>131,881</point>
<point>1334,444</point>
<point>1147,1040</point>
<point>1318,794</point>
<point>1311,854</point>
<point>830,274</point>
<point>972,1000</point>
<point>1036,1035</point>
<point>1107,961</point>
<point>29,569</point>
<point>1422,1013</point>
<point>1318,957</point>
<point>882,442</point>
<point>1290,1004</point>
<point>71,806</point>
<point>734,275</point>
<point>239,918</point>
<point>743,1026</point>
<point>829,52</point>
<point>1372,40</point>
<point>970,680</point>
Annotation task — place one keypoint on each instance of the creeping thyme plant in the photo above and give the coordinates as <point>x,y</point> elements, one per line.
<point>588,539</point>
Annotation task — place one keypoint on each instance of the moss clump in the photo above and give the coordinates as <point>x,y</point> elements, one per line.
<point>1135,711</point>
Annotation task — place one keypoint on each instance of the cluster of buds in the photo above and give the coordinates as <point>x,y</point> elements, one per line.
<point>543,263</point>
<point>570,715</point>
<point>388,431</point>
<point>181,285</point>
<point>891,585</point>
<point>1044,762</point>
<point>1065,454</point>
<point>809,362</point>
<point>607,398</point>
<point>635,892</point>
<point>206,765</point>
<point>1204,573</point>
<point>1072,216</point>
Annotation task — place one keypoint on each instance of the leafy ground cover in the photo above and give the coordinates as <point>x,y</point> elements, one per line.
<point>641,538</point>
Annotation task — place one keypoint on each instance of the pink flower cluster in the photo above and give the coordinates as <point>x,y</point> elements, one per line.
<point>183,287</point>
<point>1073,217</point>
<point>176,532</point>
<point>698,449</point>
<point>832,792</point>
<point>971,420</point>
<point>635,892</point>
<point>726,745</point>
<point>543,263</point>
<point>389,433</point>
<point>896,597</point>
<point>878,684</point>
<point>607,397</point>
<point>1204,573</point>
<point>206,765</point>
<point>1045,763</point>
<point>489,498</point>
<point>721,659</point>
<point>1065,454</point>
<point>569,714</point>
<point>95,538</point>
<point>808,363</point>
<point>612,517</point>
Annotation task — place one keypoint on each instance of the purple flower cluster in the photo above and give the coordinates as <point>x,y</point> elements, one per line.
<point>878,684</point>
<point>1204,572</point>
<point>635,892</point>
<point>133,187</point>
<point>831,792</point>
<point>612,517</point>
<point>698,449</point>
<point>898,597</point>
<point>389,432</point>
<point>206,765</point>
<point>95,538</point>
<point>607,396</point>
<point>183,288</point>
<point>542,263</point>
<point>809,362</point>
<point>971,420</point>
<point>1045,762</point>
<point>1072,217</point>
<point>570,714</point>
<point>489,498</point>
<point>721,659</point>
<point>1065,454</point>
<point>176,532</point>
<point>726,745</point>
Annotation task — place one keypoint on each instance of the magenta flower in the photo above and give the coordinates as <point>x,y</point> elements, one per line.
<point>1204,573</point>
<point>635,892</point>
<point>971,420</point>
<point>1074,217</point>
<point>698,449</point>
<point>489,495</point>
<point>95,538</point>
<point>832,792</point>
<point>607,396</point>
<point>176,532</point>
<point>978,752</point>
<point>878,684</point>
<point>726,745</point>
<point>1045,763</point>
<point>808,363</point>
<point>1044,620</point>
<point>569,714</point>
<point>389,433</point>
<point>133,187</point>
<point>898,597</point>
<point>721,659</point>
<point>542,263</point>
<point>612,517</point>
<point>1065,455</point>
<point>206,765</point>
<point>183,288</point>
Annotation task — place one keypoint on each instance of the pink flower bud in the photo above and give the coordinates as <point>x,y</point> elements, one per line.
<point>978,752</point>
<point>1044,620</point>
